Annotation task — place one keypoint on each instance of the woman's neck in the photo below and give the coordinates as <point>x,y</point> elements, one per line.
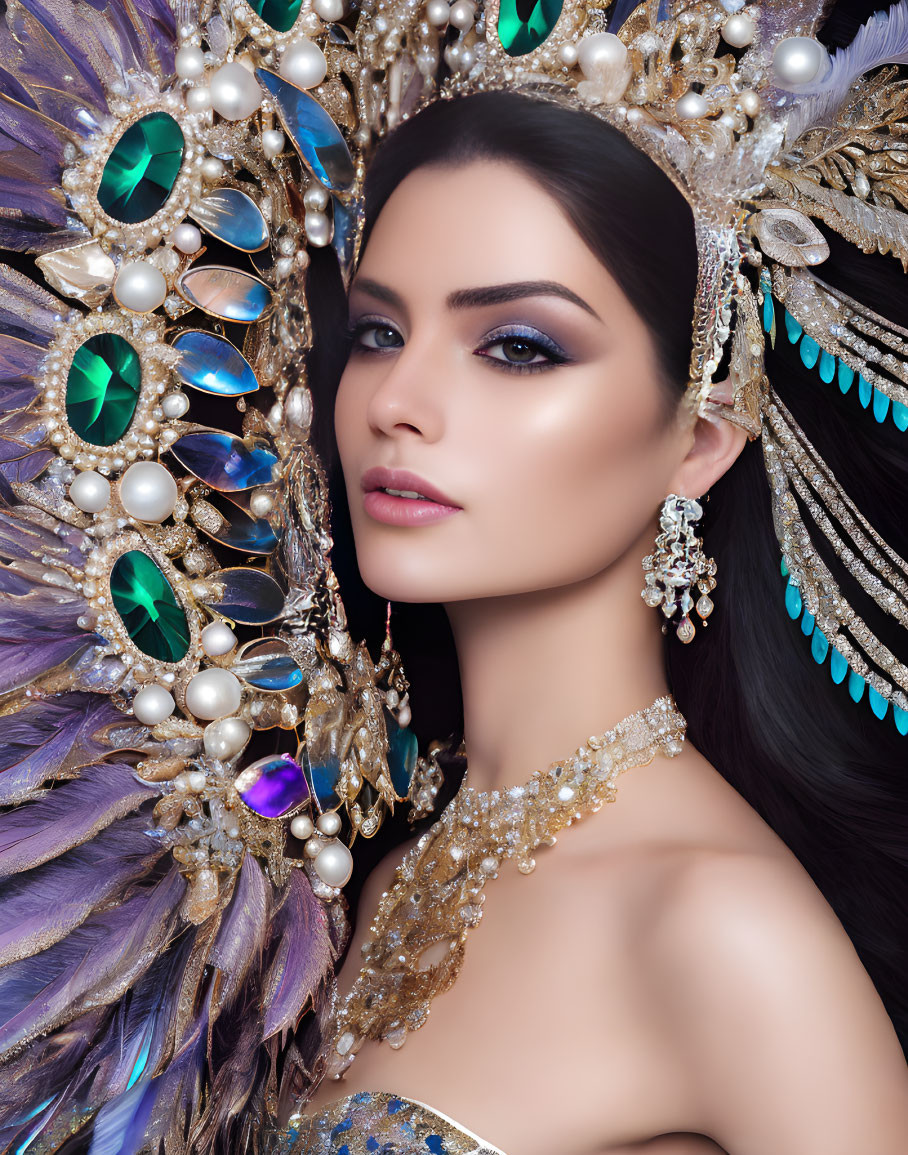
<point>541,672</point>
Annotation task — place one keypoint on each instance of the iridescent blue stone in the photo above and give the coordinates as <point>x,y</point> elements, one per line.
<point>227,293</point>
<point>267,664</point>
<point>402,755</point>
<point>323,779</point>
<point>317,138</point>
<point>237,529</point>
<point>344,237</point>
<point>225,462</point>
<point>233,217</point>
<point>250,596</point>
<point>213,364</point>
<point>273,786</point>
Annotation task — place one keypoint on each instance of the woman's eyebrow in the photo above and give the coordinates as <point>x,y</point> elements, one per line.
<point>475,298</point>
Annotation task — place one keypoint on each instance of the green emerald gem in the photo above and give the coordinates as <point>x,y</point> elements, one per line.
<point>524,24</point>
<point>102,390</point>
<point>145,601</point>
<point>142,169</point>
<point>278,14</point>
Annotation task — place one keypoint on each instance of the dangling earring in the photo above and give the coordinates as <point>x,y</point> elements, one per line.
<point>677,562</point>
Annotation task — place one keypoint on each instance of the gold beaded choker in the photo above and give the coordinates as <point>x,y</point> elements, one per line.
<point>418,936</point>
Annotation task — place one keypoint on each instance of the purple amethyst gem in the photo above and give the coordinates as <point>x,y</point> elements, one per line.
<point>273,786</point>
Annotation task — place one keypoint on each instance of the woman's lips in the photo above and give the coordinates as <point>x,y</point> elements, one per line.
<point>431,505</point>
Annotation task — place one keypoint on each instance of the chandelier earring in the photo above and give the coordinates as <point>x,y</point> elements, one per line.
<point>678,563</point>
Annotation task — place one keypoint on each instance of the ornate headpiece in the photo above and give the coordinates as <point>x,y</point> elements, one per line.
<point>192,740</point>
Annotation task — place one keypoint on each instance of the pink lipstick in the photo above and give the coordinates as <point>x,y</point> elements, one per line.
<point>413,500</point>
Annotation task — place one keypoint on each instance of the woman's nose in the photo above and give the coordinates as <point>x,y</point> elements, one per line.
<point>406,398</point>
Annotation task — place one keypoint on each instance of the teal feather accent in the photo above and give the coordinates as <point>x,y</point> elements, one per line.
<point>878,703</point>
<point>784,566</point>
<point>819,646</point>
<point>900,415</point>
<point>880,405</point>
<point>846,376</point>
<point>807,623</point>
<point>827,366</point>
<point>865,390</point>
<point>793,601</point>
<point>809,350</point>
<point>856,686</point>
<point>838,666</point>
<point>769,317</point>
<point>793,329</point>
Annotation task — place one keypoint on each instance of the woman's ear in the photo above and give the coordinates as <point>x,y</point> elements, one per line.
<point>715,447</point>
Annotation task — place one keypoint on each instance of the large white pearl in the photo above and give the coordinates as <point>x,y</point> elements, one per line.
<point>691,105</point>
<point>217,639</point>
<point>438,13</point>
<point>329,823</point>
<point>318,229</point>
<point>738,30</point>
<point>189,62</point>
<point>174,405</point>
<point>153,704</point>
<point>601,53</point>
<point>328,10</point>
<point>334,864</point>
<point>90,492</point>
<point>462,15</point>
<point>273,142</point>
<point>213,694</point>
<point>226,737</point>
<point>186,237</point>
<point>304,64</point>
<point>316,198</point>
<point>198,99</point>
<point>798,60</point>
<point>140,287</point>
<point>235,93</point>
<point>148,492</point>
<point>301,827</point>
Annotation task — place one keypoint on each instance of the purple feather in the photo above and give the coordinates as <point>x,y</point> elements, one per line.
<point>28,312</point>
<point>38,633</point>
<point>241,938</point>
<point>27,540</point>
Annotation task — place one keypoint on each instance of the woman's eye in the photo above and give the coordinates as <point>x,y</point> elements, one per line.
<point>522,353</point>
<point>373,336</point>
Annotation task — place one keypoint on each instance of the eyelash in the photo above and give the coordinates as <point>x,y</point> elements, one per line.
<point>555,356</point>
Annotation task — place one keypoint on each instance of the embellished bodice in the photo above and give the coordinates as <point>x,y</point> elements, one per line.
<point>380,1123</point>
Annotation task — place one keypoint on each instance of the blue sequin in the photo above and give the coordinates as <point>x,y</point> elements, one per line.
<point>846,377</point>
<point>435,1145</point>
<point>827,366</point>
<point>865,390</point>
<point>809,350</point>
<point>880,405</point>
<point>793,329</point>
<point>838,666</point>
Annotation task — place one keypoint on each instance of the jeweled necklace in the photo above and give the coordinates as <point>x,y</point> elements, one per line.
<point>418,936</point>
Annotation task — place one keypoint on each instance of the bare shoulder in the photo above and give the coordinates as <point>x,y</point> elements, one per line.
<point>785,1043</point>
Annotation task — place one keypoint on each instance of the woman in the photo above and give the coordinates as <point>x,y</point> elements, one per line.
<point>670,978</point>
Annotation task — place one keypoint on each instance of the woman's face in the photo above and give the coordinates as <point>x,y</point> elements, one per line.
<point>498,362</point>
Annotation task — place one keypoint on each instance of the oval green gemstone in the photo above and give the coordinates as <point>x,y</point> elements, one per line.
<point>144,599</point>
<point>278,14</point>
<point>524,24</point>
<point>142,169</point>
<point>102,389</point>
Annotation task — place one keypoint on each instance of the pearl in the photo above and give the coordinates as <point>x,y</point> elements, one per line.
<point>213,693</point>
<point>218,639</point>
<point>691,105</point>
<point>152,705</point>
<point>198,99</point>
<point>599,53</point>
<point>334,864</point>
<point>738,30</point>
<point>301,827</point>
<point>316,198</point>
<point>140,287</point>
<point>148,492</point>
<point>225,738</point>
<point>750,102</point>
<point>174,404</point>
<point>318,229</point>
<point>261,504</point>
<point>462,15</point>
<point>212,168</point>
<point>452,57</point>
<point>273,142</point>
<point>303,64</point>
<point>467,59</point>
<point>189,62</point>
<point>328,10</point>
<point>235,92</point>
<point>313,848</point>
<point>90,492</point>
<point>186,237</point>
<point>329,823</point>
<point>568,54</point>
<point>403,717</point>
<point>798,59</point>
<point>438,13</point>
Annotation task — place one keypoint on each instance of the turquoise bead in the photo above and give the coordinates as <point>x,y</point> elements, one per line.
<point>827,366</point>
<point>769,313</point>
<point>784,566</point>
<point>878,703</point>
<point>900,717</point>
<point>819,646</point>
<point>900,415</point>
<point>807,623</point>
<point>865,391</point>
<point>793,329</point>
<point>880,405</point>
<point>846,376</point>
<point>809,351</point>
<point>856,686</point>
<point>793,601</point>
<point>838,666</point>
